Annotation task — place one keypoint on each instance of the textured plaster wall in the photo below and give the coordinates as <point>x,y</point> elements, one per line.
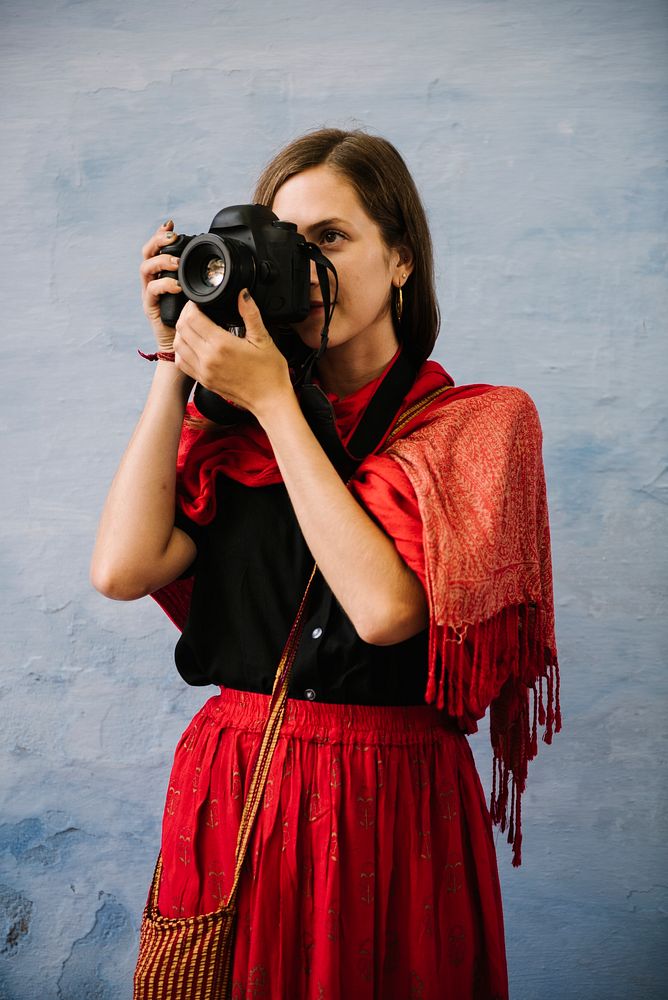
<point>537,133</point>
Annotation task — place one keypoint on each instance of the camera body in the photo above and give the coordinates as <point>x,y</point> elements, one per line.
<point>247,246</point>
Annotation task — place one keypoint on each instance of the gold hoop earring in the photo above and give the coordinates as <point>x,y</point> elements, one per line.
<point>399,304</point>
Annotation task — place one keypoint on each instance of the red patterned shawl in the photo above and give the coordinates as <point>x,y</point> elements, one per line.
<point>468,480</point>
<point>477,473</point>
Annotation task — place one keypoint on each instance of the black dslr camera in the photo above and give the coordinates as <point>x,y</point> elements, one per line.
<point>247,246</point>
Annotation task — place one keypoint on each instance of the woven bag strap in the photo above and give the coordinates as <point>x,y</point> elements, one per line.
<point>269,742</point>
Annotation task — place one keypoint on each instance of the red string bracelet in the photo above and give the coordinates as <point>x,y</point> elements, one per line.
<point>158,356</point>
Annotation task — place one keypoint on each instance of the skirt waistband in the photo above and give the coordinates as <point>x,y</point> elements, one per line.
<point>325,722</point>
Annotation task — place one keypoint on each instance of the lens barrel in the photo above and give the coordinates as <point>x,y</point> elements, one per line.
<point>212,272</point>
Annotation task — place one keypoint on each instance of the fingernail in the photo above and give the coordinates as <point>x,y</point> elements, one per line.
<point>170,222</point>
<point>245,295</point>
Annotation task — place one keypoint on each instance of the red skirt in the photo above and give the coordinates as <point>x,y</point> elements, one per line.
<point>371,871</point>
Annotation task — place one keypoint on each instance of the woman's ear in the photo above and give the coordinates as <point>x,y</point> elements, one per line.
<point>403,264</point>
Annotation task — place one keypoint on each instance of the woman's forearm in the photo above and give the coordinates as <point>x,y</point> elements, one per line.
<point>135,544</point>
<point>379,593</point>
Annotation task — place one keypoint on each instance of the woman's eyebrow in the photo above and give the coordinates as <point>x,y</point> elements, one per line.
<point>326,222</point>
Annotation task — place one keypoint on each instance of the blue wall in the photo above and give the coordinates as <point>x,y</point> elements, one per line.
<point>537,133</point>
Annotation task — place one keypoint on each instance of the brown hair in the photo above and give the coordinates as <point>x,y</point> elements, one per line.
<point>387,191</point>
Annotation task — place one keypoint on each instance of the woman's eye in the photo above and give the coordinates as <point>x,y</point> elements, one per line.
<point>331,236</point>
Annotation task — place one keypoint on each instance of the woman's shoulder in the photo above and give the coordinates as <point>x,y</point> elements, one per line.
<point>480,397</point>
<point>470,410</point>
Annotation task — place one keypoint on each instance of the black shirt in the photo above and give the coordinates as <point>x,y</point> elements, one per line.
<point>251,570</point>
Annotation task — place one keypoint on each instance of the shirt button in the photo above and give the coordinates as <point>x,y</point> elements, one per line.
<point>316,633</point>
<point>310,694</point>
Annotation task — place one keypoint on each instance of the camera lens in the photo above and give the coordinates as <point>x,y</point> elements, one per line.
<point>206,268</point>
<point>215,272</point>
<point>212,272</point>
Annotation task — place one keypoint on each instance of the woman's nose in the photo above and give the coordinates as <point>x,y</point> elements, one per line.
<point>314,274</point>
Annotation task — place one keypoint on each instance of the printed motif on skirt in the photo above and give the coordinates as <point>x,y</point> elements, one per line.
<point>371,871</point>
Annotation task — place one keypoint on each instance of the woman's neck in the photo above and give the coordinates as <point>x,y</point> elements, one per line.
<point>344,369</point>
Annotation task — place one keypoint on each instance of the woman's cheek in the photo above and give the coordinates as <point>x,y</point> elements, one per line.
<point>308,332</point>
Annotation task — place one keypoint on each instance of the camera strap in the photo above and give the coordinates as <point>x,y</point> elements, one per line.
<point>319,411</point>
<point>375,421</point>
<point>322,266</point>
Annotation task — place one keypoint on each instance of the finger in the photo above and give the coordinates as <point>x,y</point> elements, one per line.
<point>250,314</point>
<point>161,286</point>
<point>184,352</point>
<point>161,239</point>
<point>187,329</point>
<point>184,365</point>
<point>197,326</point>
<point>153,265</point>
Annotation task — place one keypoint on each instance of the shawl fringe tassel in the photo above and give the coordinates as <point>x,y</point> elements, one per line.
<point>503,663</point>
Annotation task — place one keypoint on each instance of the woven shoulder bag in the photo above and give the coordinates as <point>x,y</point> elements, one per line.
<point>190,958</point>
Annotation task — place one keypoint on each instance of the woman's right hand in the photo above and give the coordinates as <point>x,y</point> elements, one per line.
<point>156,259</point>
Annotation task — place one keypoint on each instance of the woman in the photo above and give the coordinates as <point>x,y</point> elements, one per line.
<point>371,870</point>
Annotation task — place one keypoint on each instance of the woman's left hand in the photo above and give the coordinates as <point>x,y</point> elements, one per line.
<point>249,371</point>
